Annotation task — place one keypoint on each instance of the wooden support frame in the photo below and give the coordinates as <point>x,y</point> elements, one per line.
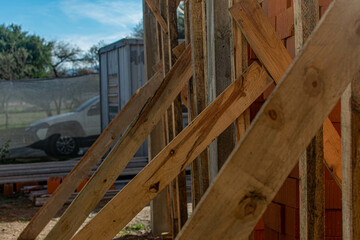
<point>311,163</point>
<point>124,150</point>
<point>177,155</point>
<point>272,53</point>
<point>157,15</point>
<point>350,128</point>
<point>92,157</point>
<point>283,128</point>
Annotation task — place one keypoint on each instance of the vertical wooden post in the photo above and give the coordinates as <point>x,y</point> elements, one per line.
<point>219,34</point>
<point>350,128</point>
<point>159,212</point>
<point>311,166</point>
<point>199,84</point>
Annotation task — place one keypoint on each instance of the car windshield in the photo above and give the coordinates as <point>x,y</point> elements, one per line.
<point>86,104</point>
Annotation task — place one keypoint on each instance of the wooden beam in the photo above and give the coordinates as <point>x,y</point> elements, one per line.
<point>91,158</point>
<point>350,128</point>
<point>177,51</point>
<point>311,163</point>
<point>272,53</point>
<point>199,85</point>
<point>159,213</point>
<point>124,150</point>
<point>220,74</point>
<point>283,128</point>
<point>177,155</point>
<point>157,15</point>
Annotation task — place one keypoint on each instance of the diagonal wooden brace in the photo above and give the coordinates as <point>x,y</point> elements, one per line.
<point>176,156</point>
<point>155,10</point>
<point>271,52</point>
<point>124,149</point>
<point>283,128</point>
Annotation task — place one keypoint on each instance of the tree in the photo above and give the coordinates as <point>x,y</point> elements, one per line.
<point>64,53</point>
<point>92,57</point>
<point>23,55</point>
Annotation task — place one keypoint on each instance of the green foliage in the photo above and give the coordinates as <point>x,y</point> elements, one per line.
<point>4,150</point>
<point>23,55</point>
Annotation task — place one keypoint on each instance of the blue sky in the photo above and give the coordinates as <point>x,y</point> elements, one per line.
<point>81,22</point>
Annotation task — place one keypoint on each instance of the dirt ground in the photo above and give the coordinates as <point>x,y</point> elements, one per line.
<point>16,212</point>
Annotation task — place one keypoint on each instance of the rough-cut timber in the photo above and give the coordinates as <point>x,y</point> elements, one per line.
<point>311,163</point>
<point>283,128</point>
<point>92,157</point>
<point>157,15</point>
<point>177,155</point>
<point>272,53</point>
<point>350,132</point>
<point>123,151</point>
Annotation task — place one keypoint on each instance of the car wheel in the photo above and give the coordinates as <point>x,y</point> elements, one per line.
<point>63,145</point>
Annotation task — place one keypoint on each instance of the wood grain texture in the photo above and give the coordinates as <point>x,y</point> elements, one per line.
<point>157,15</point>
<point>350,132</point>
<point>272,53</point>
<point>283,128</point>
<point>311,163</point>
<point>124,150</point>
<point>91,157</point>
<point>177,155</point>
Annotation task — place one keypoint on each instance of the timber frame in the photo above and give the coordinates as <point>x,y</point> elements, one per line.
<point>237,165</point>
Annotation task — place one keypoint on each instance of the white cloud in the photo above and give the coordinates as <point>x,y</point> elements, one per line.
<point>120,13</point>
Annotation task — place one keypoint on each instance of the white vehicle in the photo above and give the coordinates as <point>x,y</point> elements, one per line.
<point>62,135</point>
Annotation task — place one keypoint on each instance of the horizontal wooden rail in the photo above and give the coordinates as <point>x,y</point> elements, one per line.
<point>92,157</point>
<point>283,128</point>
<point>124,149</point>
<point>272,53</point>
<point>177,155</point>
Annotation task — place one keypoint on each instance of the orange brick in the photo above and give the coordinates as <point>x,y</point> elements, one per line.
<point>285,23</point>
<point>274,217</point>
<point>335,115</point>
<point>8,189</point>
<point>270,234</point>
<point>259,234</point>
<point>332,195</point>
<point>292,226</point>
<point>21,185</point>
<point>290,46</point>
<point>324,3</point>
<point>333,223</point>
<point>52,184</point>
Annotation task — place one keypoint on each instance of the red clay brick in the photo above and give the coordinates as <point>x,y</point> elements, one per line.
<point>325,3</point>
<point>287,237</point>
<point>323,10</point>
<point>274,217</point>
<point>289,193</point>
<point>268,91</point>
<point>259,225</point>
<point>270,234</point>
<point>295,172</point>
<point>327,174</point>
<point>292,221</point>
<point>290,46</point>
<point>275,7</point>
<point>285,23</point>
<point>337,127</point>
<point>335,115</point>
<point>333,223</point>
<point>259,234</point>
<point>52,184</point>
<point>273,21</point>
<point>82,184</point>
<point>8,189</point>
<point>252,54</point>
<point>254,109</point>
<point>332,195</point>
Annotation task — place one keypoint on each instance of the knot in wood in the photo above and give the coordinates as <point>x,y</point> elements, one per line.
<point>172,152</point>
<point>154,188</point>
<point>249,205</point>
<point>272,114</point>
<point>313,83</point>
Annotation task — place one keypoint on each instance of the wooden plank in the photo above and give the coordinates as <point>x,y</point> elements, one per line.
<point>282,129</point>
<point>272,53</point>
<point>350,126</point>
<point>124,149</point>
<point>311,163</point>
<point>91,158</point>
<point>157,15</point>
<point>199,86</point>
<point>220,75</point>
<point>159,213</point>
<point>177,155</point>
<point>177,51</point>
